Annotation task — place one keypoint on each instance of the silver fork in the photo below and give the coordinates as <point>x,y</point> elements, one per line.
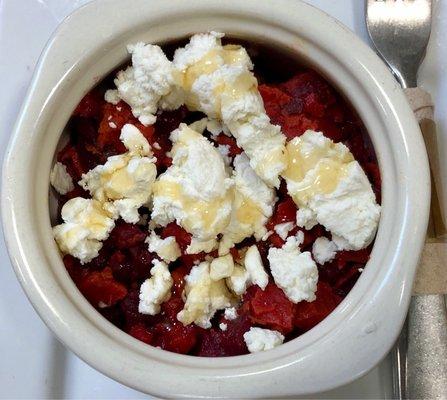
<point>400,31</point>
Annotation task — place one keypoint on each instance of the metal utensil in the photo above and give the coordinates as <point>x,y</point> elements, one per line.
<point>400,31</point>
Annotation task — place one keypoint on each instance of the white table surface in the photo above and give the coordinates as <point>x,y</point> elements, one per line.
<point>33,363</point>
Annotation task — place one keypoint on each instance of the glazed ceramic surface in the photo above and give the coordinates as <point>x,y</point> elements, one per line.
<point>87,46</point>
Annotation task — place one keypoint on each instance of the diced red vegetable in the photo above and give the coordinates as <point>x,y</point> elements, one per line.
<point>307,315</point>
<point>270,308</point>
<point>141,332</point>
<point>101,289</point>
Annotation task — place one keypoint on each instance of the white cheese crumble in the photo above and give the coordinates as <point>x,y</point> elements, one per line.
<point>251,273</point>
<point>305,218</point>
<point>255,267</point>
<point>155,290</point>
<point>331,188</point>
<point>224,150</point>
<point>85,225</point>
<point>239,280</point>
<point>195,190</point>
<point>167,249</point>
<point>124,182</point>
<point>197,246</point>
<point>221,267</point>
<point>223,326</point>
<point>282,230</point>
<point>219,82</point>
<point>230,313</point>
<point>323,250</point>
<point>60,179</point>
<point>259,339</point>
<point>252,205</point>
<point>294,272</point>
<point>144,84</point>
<point>203,297</point>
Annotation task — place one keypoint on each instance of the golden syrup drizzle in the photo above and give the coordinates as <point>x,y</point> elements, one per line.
<point>329,167</point>
<point>205,212</point>
<point>247,211</point>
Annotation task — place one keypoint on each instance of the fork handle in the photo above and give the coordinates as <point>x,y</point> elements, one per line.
<point>422,105</point>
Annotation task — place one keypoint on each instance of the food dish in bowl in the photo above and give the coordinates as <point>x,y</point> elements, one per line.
<point>243,229</point>
<point>359,331</point>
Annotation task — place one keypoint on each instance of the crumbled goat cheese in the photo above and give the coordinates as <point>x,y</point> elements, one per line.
<point>239,280</point>
<point>155,290</point>
<point>218,81</point>
<point>259,339</point>
<point>224,150</point>
<point>124,182</point>
<point>299,236</point>
<point>195,190</point>
<point>331,188</point>
<point>252,205</point>
<point>251,273</point>
<point>221,267</point>
<point>223,326</point>
<point>167,249</point>
<point>323,250</point>
<point>112,125</point>
<point>230,313</point>
<point>197,246</point>
<point>294,272</point>
<point>255,268</point>
<point>85,225</point>
<point>199,45</point>
<point>283,229</point>
<point>144,84</point>
<point>203,297</point>
<point>305,218</point>
<point>60,179</point>
<point>215,127</point>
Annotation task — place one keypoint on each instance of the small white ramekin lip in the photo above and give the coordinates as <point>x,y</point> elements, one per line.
<point>356,332</point>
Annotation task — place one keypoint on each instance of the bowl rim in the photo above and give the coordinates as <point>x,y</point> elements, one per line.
<point>61,306</point>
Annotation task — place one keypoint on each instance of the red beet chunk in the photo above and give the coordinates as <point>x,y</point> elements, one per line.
<point>141,260</point>
<point>129,309</point>
<point>285,211</point>
<point>126,235</point>
<point>90,105</point>
<point>312,89</point>
<point>114,117</point>
<point>100,287</point>
<point>172,307</point>
<point>74,268</point>
<point>218,343</point>
<point>274,100</point>
<point>270,308</point>
<point>100,261</point>
<point>359,256</point>
<point>296,124</point>
<point>69,156</point>
<point>182,237</point>
<point>141,332</point>
<point>178,276</point>
<point>307,315</point>
<point>172,335</point>
<point>275,240</point>
<point>231,142</point>
<point>311,235</point>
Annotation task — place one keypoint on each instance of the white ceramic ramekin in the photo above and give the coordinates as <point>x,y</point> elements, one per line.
<point>356,336</point>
